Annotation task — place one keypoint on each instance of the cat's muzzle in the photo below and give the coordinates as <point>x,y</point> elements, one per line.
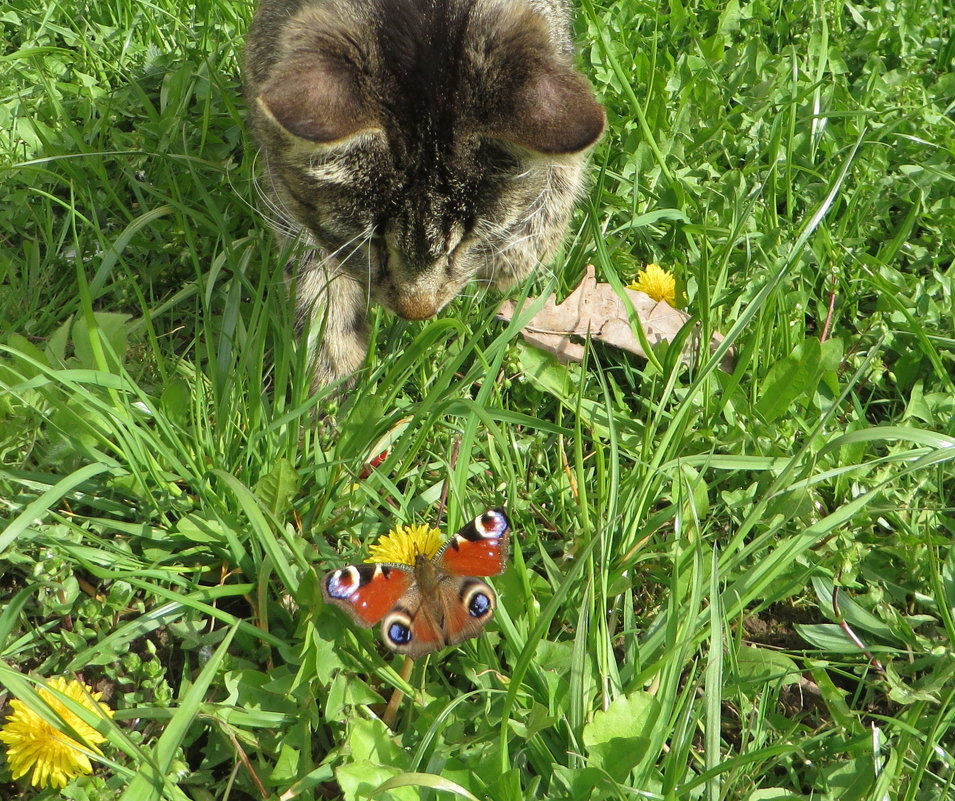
<point>418,306</point>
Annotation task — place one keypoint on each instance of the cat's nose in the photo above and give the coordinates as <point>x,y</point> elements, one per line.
<point>419,306</point>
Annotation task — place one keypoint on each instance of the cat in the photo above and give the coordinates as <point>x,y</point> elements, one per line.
<point>414,145</point>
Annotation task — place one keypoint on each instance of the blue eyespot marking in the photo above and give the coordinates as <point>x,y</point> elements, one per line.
<point>479,605</point>
<point>399,633</point>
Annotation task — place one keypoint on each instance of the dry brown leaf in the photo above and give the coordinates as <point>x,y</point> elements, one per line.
<point>597,311</point>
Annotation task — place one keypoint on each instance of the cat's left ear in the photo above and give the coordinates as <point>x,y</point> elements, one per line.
<point>530,94</point>
<point>555,112</point>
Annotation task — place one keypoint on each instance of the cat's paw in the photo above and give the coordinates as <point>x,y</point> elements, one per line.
<point>337,361</point>
<point>505,283</point>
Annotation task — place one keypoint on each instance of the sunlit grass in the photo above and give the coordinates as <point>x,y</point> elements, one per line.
<point>692,548</point>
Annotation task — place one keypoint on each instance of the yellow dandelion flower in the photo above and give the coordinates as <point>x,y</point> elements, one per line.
<point>54,757</point>
<point>401,545</point>
<point>658,283</point>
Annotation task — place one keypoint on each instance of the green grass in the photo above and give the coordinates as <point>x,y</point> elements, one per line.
<point>171,495</point>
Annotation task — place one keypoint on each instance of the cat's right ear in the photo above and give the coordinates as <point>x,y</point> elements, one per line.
<point>319,102</point>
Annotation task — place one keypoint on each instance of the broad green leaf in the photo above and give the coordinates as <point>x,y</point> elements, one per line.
<point>832,638</point>
<point>831,353</point>
<point>371,740</point>
<point>617,738</point>
<point>851,779</point>
<point>764,665</point>
<point>583,783</point>
<point>361,426</point>
<point>359,779</point>
<point>176,400</point>
<point>112,327</point>
<point>278,487</point>
<point>26,356</point>
<point>788,379</point>
<point>773,794</point>
<point>851,612</point>
<point>428,780</point>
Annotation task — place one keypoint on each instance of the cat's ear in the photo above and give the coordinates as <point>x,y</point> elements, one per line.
<point>318,101</point>
<point>555,112</point>
<point>529,92</point>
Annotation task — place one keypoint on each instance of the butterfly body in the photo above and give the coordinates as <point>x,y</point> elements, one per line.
<point>434,603</point>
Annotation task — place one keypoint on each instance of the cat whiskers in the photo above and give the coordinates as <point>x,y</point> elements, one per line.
<point>532,225</point>
<point>276,214</point>
<point>496,239</point>
<point>256,185</point>
<point>331,263</point>
<point>369,272</point>
<point>334,256</point>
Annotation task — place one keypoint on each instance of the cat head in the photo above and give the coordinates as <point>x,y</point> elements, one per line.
<point>423,145</point>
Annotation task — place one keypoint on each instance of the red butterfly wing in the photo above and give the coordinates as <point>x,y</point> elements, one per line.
<point>478,549</point>
<point>367,592</point>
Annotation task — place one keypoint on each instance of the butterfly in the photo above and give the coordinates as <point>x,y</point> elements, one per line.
<point>436,603</point>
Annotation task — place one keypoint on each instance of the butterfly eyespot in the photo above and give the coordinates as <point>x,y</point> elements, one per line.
<point>493,523</point>
<point>478,599</point>
<point>399,634</point>
<point>396,629</point>
<point>479,605</point>
<point>343,583</point>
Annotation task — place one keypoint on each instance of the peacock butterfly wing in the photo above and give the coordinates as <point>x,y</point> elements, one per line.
<point>478,549</point>
<point>367,592</point>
